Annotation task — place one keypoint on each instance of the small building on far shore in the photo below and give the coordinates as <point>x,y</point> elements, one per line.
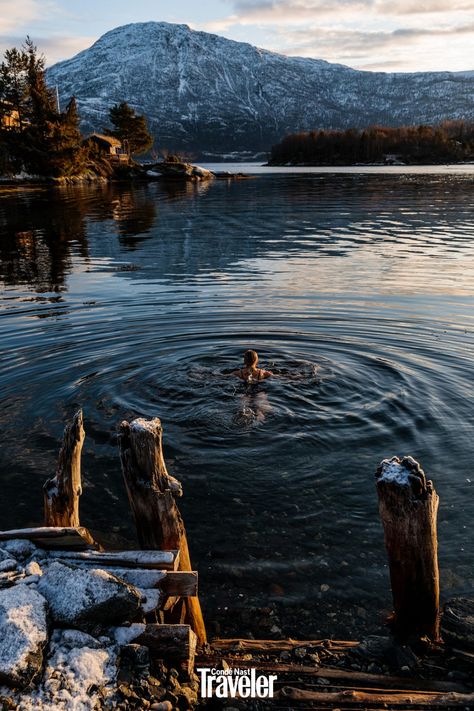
<point>107,147</point>
<point>393,159</point>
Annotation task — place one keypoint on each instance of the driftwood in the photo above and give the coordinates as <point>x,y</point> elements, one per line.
<point>340,677</point>
<point>408,507</point>
<point>50,537</point>
<point>153,560</point>
<point>151,492</point>
<point>62,492</point>
<point>269,646</point>
<point>375,698</point>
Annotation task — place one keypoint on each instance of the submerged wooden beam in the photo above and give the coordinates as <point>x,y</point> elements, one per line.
<point>62,492</point>
<point>52,537</point>
<point>151,492</point>
<point>408,506</point>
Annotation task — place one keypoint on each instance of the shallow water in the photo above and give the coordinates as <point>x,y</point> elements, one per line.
<point>356,289</point>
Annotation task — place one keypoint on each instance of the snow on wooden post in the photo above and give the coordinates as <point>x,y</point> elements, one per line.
<point>152,492</point>
<point>408,506</point>
<point>62,492</point>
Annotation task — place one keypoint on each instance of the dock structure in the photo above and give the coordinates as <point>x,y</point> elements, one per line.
<point>162,587</point>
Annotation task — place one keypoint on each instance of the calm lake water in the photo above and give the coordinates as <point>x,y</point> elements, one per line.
<point>357,289</point>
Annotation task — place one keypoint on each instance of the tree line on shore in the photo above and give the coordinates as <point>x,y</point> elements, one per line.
<point>38,138</point>
<point>448,142</point>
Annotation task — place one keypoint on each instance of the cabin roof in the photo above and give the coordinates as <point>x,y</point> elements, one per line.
<point>106,139</point>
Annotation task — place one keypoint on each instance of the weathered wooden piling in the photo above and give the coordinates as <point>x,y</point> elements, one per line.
<point>408,506</point>
<point>62,492</point>
<point>152,492</point>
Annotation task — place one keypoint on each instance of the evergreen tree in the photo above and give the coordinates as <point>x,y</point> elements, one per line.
<point>129,128</point>
<point>46,141</point>
<point>14,85</point>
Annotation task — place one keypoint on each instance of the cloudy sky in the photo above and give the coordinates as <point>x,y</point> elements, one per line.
<point>387,35</point>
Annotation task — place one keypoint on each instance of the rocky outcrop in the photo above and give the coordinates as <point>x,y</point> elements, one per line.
<point>24,634</point>
<point>179,170</point>
<point>60,648</point>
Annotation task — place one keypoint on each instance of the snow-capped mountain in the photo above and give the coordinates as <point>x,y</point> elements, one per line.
<point>203,92</point>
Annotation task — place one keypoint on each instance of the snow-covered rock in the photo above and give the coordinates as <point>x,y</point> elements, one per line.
<point>207,93</point>
<point>8,564</point>
<point>79,672</point>
<point>84,598</point>
<point>24,633</point>
<point>19,548</point>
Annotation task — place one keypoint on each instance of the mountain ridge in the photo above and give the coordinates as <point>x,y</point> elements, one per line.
<point>203,92</point>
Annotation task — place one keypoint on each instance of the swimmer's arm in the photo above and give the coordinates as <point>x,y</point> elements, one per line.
<point>266,374</point>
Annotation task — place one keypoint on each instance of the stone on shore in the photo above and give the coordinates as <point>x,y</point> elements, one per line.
<point>84,598</point>
<point>23,622</point>
<point>457,622</point>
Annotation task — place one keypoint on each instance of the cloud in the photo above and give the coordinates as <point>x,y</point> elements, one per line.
<point>297,12</point>
<point>381,50</point>
<point>54,48</point>
<point>368,34</point>
<point>19,13</point>
<point>294,11</point>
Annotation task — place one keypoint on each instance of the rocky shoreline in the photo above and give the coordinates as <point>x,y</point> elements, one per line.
<point>73,635</point>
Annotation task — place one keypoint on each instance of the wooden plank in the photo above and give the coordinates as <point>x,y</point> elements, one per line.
<point>353,698</point>
<point>53,537</point>
<point>279,645</point>
<point>148,560</point>
<point>340,676</point>
<point>180,583</point>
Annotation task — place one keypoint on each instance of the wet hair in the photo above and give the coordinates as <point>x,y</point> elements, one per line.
<point>250,358</point>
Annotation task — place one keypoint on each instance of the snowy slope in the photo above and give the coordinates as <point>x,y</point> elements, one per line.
<point>201,91</point>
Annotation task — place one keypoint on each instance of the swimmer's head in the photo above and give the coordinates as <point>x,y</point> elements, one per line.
<point>250,359</point>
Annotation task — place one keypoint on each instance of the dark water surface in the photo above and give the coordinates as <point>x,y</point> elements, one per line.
<point>358,289</point>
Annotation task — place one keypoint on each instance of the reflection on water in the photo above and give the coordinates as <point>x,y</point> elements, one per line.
<point>356,291</point>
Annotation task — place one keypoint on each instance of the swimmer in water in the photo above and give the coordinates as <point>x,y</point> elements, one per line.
<point>253,406</point>
<point>250,373</point>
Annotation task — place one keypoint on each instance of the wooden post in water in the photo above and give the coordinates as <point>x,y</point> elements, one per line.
<point>151,492</point>
<point>62,492</point>
<point>408,506</point>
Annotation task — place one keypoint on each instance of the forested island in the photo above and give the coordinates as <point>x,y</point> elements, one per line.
<point>448,142</point>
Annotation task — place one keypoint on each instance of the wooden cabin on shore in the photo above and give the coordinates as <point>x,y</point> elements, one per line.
<point>9,117</point>
<point>107,147</point>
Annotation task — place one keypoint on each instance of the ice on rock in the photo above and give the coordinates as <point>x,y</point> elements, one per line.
<point>84,597</point>
<point>19,548</point>
<point>78,673</point>
<point>23,622</point>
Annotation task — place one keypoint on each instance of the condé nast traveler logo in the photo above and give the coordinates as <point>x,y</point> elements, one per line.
<point>232,683</point>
